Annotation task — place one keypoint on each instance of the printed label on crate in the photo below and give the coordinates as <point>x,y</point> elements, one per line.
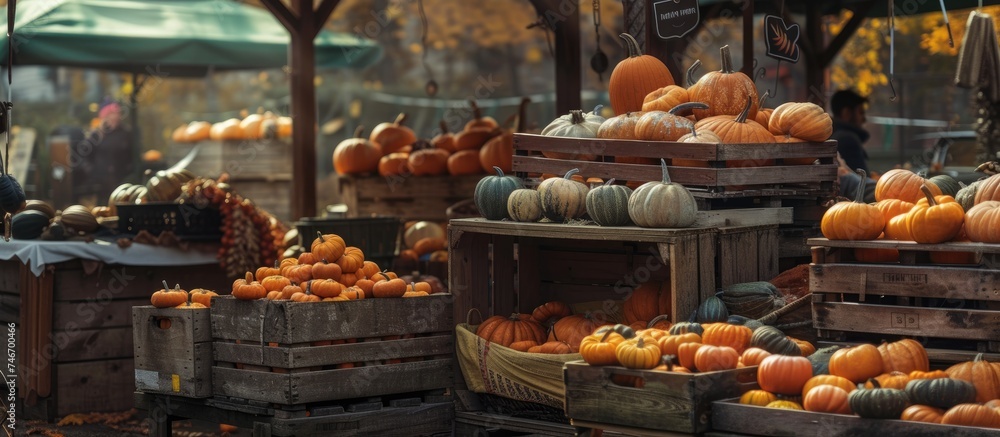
<point>147,379</point>
<point>905,320</point>
<point>904,278</point>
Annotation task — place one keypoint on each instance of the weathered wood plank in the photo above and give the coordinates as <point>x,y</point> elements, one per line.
<point>299,357</point>
<point>105,385</point>
<point>415,187</point>
<point>423,209</point>
<point>96,314</point>
<point>685,293</point>
<point>293,322</point>
<point>10,308</point>
<point>183,377</point>
<point>573,232</point>
<point>468,269</point>
<point>94,344</point>
<point>737,258</point>
<point>707,250</point>
<point>744,217</point>
<point>425,419</point>
<point>503,276</point>
<point>669,149</point>
<point>900,320</point>
<point>480,423</point>
<point>9,275</point>
<point>950,246</point>
<point>681,401</point>
<point>529,274</point>
<point>238,158</point>
<point>734,417</point>
<point>326,385</point>
<point>911,281</point>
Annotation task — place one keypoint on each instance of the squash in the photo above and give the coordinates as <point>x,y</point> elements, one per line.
<point>805,121</point>
<point>492,192</point>
<point>499,150</point>
<point>905,356</point>
<point>28,224</point>
<point>524,205</point>
<point>607,205</point>
<point>902,184</point>
<point>505,330</point>
<point>464,162</point>
<point>966,196</point>
<point>982,222</point>
<point>725,91</point>
<point>878,402</point>
<point>356,155</point>
<point>922,413</point>
<point>665,126</point>
<point>940,392</point>
<point>947,184</point>
<point>79,218</point>
<point>752,299</point>
<point>421,230</point>
<point>982,374</point>
<point>576,124</point>
<point>786,375</point>
<point>711,310</point>
<point>635,77</point>
<point>665,99</point>
<point>853,220</point>
<point>774,341</point>
<point>393,137</point>
<point>563,198</point>
<point>935,220</point>
<point>662,204</point>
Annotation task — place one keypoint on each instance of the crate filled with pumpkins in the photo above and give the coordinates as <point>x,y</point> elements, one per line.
<point>320,305</point>
<point>392,169</point>
<point>676,370</point>
<point>714,134</point>
<point>890,389</point>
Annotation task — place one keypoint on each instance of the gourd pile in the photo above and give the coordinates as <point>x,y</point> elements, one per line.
<point>164,186</point>
<point>890,381</point>
<point>393,149</point>
<point>37,219</point>
<point>252,127</point>
<point>330,271</point>
<point>911,208</point>
<point>167,297</point>
<point>724,106</point>
<point>662,204</point>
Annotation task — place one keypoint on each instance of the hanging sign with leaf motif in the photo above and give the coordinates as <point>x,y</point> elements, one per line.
<point>782,40</point>
<point>675,18</point>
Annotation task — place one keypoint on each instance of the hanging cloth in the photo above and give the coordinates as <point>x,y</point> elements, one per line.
<point>979,57</point>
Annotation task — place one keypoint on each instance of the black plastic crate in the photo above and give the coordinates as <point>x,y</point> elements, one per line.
<point>377,237</point>
<point>185,221</point>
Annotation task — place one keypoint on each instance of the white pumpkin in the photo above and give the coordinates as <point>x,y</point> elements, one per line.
<point>421,230</point>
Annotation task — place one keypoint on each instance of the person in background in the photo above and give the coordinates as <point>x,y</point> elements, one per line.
<point>848,108</point>
<point>111,156</point>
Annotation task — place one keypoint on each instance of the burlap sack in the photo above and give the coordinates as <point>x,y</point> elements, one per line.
<point>502,371</point>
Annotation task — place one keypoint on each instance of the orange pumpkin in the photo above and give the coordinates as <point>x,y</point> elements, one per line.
<point>393,137</point>
<point>428,161</point>
<point>635,77</point>
<point>826,399</point>
<point>902,184</point>
<point>726,92</point>
<point>464,162</point>
<point>356,155</point>
<point>394,164</point>
<point>648,300</point>
<point>783,374</point>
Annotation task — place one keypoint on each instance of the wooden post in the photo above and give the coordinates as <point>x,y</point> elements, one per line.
<point>564,18</point>
<point>303,23</point>
<point>748,39</point>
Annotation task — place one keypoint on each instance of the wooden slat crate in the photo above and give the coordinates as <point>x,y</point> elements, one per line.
<point>730,416</point>
<point>715,185</point>
<point>408,414</point>
<point>667,401</point>
<point>281,352</point>
<point>914,298</point>
<point>406,197</point>
<point>501,267</point>
<point>173,351</point>
<point>272,193</point>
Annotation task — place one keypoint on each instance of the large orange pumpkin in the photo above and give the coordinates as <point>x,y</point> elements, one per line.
<point>393,137</point>
<point>507,330</point>
<point>982,374</point>
<point>356,155</point>
<point>982,222</point>
<point>853,220</point>
<point>726,92</point>
<point>989,189</point>
<point>635,77</point>
<point>806,121</point>
<point>647,301</point>
<point>903,185</point>
<point>464,162</point>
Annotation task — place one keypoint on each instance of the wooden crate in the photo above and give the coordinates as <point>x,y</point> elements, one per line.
<point>175,356</point>
<point>730,416</point>
<point>913,298</point>
<point>715,186</point>
<point>268,352</point>
<point>241,159</point>
<point>667,401</point>
<point>401,415</point>
<point>500,267</point>
<point>272,193</point>
<point>406,197</point>
<point>75,337</point>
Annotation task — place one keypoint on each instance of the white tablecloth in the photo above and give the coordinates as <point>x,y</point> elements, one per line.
<point>40,253</point>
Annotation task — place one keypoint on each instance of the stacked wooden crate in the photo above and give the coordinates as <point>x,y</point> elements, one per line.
<point>406,197</point>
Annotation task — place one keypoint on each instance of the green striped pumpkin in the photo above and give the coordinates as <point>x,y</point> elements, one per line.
<point>524,205</point>
<point>774,341</point>
<point>492,192</point>
<point>948,185</point>
<point>607,205</point>
<point>28,224</point>
<point>563,198</point>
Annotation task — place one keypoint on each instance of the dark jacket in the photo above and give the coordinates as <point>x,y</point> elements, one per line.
<point>850,144</point>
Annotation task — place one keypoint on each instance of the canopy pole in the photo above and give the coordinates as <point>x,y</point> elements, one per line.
<point>133,111</point>
<point>303,23</point>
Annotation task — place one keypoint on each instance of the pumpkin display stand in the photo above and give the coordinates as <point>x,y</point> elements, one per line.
<point>667,401</point>
<point>729,416</point>
<point>407,197</point>
<point>259,169</point>
<point>720,176</point>
<point>914,293</point>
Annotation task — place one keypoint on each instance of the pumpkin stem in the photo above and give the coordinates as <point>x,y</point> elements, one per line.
<point>249,277</point>
<point>742,118</point>
<point>597,109</point>
<point>760,102</point>
<point>498,170</point>
<point>569,174</point>
<point>686,106</point>
<point>689,74</point>
<point>400,119</point>
<point>874,382</point>
<point>476,112</point>
<point>443,126</point>
<point>576,116</point>
<point>166,287</point>
<point>640,343</point>
<point>522,115</point>
<point>608,333</point>
<point>663,169</point>
<point>657,319</point>
<point>277,263</point>
<point>632,44</point>
<point>727,60</point>
<point>359,132</point>
<point>609,182</point>
<point>930,196</point>
<point>860,195</point>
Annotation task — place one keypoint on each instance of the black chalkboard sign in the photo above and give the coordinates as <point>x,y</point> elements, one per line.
<point>782,40</point>
<point>675,18</point>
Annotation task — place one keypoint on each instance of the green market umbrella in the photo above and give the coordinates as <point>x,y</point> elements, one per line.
<point>166,38</point>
